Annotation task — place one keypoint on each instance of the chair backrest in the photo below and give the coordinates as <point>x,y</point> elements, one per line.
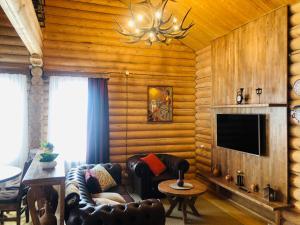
<point>26,167</point>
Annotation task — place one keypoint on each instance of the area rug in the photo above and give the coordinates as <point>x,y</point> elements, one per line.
<point>210,215</point>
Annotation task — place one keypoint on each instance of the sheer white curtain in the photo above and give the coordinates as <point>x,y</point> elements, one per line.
<point>13,119</point>
<point>67,124</point>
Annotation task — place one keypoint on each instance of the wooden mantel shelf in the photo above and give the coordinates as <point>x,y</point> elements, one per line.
<point>253,197</point>
<point>249,106</point>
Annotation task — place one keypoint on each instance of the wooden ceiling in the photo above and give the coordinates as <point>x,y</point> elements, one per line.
<point>212,18</point>
<point>215,18</point>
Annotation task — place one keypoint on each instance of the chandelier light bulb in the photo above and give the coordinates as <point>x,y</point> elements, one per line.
<point>131,23</point>
<point>158,14</point>
<point>140,18</point>
<point>175,20</point>
<point>137,30</point>
<point>175,27</point>
<point>151,35</point>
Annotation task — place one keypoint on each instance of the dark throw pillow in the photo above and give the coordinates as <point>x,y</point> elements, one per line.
<point>92,183</point>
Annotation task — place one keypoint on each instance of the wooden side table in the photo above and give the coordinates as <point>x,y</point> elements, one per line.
<point>40,182</point>
<point>182,198</point>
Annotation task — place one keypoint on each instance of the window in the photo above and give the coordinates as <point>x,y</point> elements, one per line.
<point>13,119</point>
<point>67,126</point>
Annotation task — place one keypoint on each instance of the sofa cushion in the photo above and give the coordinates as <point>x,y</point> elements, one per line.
<point>92,182</point>
<point>122,191</point>
<point>111,196</point>
<point>155,164</point>
<point>106,181</point>
<point>104,201</point>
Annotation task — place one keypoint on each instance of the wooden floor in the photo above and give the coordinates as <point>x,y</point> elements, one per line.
<point>239,214</point>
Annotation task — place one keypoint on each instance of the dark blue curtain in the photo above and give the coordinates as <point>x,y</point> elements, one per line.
<point>98,122</point>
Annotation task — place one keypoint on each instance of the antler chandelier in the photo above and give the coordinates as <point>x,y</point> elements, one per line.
<point>151,24</point>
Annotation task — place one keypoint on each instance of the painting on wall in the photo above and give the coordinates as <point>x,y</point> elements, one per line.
<point>160,104</point>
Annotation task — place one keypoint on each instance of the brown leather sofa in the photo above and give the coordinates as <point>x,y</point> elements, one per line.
<point>83,211</point>
<point>144,182</point>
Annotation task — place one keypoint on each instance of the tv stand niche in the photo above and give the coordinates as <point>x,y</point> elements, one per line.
<point>256,198</point>
<point>270,168</point>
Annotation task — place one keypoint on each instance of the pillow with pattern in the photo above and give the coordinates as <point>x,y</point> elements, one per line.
<point>106,181</point>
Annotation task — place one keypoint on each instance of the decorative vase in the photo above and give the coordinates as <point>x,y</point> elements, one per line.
<point>180,181</point>
<point>48,217</point>
<point>216,171</point>
<point>254,188</point>
<point>48,165</point>
<point>228,178</point>
<point>240,178</point>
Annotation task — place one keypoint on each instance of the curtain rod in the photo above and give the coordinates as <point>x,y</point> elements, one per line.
<point>89,74</point>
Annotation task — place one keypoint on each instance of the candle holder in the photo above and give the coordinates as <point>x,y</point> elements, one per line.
<point>258,92</point>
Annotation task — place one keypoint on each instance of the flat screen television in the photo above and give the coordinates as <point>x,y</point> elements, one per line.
<point>242,132</point>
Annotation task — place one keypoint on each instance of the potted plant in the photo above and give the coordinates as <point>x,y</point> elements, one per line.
<point>47,160</point>
<point>47,146</point>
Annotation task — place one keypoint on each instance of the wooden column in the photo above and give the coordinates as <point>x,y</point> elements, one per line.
<point>293,216</point>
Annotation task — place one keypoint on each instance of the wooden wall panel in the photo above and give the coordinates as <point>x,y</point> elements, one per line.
<point>254,55</point>
<point>251,57</point>
<point>80,39</point>
<point>13,54</point>
<point>293,215</point>
<point>203,110</point>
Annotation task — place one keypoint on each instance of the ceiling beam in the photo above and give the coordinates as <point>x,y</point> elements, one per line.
<point>23,18</point>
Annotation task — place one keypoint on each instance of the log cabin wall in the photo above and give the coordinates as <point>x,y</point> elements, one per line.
<point>293,216</point>
<point>203,110</point>
<point>79,39</point>
<point>14,57</point>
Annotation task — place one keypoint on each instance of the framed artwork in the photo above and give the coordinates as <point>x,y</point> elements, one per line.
<point>160,104</point>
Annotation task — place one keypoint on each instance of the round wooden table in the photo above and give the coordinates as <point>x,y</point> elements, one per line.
<point>183,198</point>
<point>9,181</point>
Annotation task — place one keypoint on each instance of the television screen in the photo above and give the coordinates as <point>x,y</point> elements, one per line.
<point>242,132</point>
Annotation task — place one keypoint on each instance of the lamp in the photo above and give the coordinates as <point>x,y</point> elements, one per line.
<point>151,24</point>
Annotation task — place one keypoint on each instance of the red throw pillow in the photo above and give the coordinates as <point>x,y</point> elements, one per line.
<point>155,164</point>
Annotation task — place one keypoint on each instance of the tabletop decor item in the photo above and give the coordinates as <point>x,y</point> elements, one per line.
<point>295,113</point>
<point>240,178</point>
<point>254,188</point>
<point>240,96</point>
<point>180,181</point>
<point>258,92</point>
<point>269,193</point>
<point>186,186</point>
<point>296,87</point>
<point>228,177</point>
<point>216,171</point>
<point>160,104</point>
<point>47,146</point>
<point>47,160</point>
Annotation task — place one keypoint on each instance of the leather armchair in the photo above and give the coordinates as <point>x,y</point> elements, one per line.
<point>144,182</point>
<point>85,212</point>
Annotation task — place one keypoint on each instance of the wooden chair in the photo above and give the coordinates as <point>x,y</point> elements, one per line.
<point>18,204</point>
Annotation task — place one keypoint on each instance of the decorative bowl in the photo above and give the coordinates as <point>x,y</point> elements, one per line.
<point>48,165</point>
